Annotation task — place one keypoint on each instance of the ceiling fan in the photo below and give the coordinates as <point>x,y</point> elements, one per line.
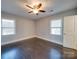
<point>36,8</point>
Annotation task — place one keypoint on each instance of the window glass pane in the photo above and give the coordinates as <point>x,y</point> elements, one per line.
<point>56,23</point>
<point>56,31</point>
<point>8,31</point>
<point>8,23</point>
<point>8,27</point>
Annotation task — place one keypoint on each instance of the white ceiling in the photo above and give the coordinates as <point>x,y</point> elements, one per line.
<point>18,7</point>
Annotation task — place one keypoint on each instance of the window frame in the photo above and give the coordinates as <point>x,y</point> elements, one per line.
<point>61,28</point>
<point>14,28</point>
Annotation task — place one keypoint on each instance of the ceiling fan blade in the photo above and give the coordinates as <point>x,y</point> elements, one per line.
<point>30,12</point>
<point>39,6</point>
<point>29,6</point>
<point>42,11</point>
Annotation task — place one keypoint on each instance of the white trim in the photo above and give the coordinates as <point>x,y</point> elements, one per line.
<point>4,43</point>
<point>49,40</point>
<point>53,41</point>
<point>25,38</point>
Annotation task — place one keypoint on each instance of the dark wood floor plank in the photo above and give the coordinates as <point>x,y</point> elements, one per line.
<point>36,48</point>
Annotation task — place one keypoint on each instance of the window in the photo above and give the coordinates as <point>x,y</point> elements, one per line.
<point>56,27</point>
<point>8,27</point>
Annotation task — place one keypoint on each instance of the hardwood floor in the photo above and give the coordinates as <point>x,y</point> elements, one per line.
<point>69,53</point>
<point>36,48</point>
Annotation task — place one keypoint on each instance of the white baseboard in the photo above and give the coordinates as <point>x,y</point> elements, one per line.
<point>4,43</point>
<point>49,40</point>
<point>25,38</point>
<point>37,36</point>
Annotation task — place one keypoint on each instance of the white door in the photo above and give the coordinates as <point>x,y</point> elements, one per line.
<point>75,33</point>
<point>70,32</point>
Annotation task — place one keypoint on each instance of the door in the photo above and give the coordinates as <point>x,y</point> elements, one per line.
<point>70,32</point>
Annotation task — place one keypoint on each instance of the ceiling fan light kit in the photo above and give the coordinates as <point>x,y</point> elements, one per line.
<point>36,8</point>
<point>35,11</point>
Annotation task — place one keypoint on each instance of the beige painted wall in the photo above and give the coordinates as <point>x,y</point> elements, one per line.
<point>24,28</point>
<point>43,26</point>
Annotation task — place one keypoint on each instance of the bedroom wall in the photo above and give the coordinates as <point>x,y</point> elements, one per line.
<point>43,26</point>
<point>24,28</point>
